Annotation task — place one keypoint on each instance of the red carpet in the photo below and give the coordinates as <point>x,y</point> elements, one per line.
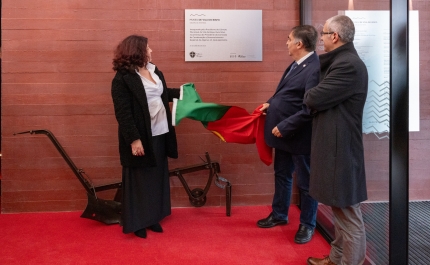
<point>191,236</point>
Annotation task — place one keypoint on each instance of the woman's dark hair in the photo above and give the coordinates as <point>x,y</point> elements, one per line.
<point>131,53</point>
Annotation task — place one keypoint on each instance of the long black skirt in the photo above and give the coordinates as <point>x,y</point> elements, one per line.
<point>146,191</point>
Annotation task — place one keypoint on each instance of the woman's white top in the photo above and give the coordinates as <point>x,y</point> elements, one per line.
<point>156,108</point>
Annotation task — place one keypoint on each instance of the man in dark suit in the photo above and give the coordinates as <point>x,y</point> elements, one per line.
<point>338,176</point>
<point>288,129</point>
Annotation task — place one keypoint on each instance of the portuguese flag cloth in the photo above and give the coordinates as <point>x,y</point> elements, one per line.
<point>230,123</point>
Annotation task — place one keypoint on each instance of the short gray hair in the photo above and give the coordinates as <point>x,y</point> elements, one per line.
<point>343,26</point>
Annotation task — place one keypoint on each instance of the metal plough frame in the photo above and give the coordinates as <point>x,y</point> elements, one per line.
<point>109,211</point>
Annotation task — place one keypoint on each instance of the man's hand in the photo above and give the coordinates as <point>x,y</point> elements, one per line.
<point>276,132</point>
<point>264,108</point>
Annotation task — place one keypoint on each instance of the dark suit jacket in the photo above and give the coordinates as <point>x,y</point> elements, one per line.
<point>134,121</point>
<point>338,177</point>
<point>287,111</point>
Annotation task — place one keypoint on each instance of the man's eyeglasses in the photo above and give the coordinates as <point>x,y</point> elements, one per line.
<point>322,33</point>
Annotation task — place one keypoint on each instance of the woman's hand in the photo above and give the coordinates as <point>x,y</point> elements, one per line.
<point>137,148</point>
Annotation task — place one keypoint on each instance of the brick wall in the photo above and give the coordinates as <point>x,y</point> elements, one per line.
<point>56,74</point>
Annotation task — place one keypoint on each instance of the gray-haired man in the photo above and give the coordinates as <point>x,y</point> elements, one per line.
<point>338,177</point>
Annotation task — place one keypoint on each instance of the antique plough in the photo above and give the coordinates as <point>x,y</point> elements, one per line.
<point>109,211</point>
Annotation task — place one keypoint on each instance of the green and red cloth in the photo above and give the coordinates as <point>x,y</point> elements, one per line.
<point>231,124</point>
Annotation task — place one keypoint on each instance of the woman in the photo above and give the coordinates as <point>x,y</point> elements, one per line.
<point>146,136</point>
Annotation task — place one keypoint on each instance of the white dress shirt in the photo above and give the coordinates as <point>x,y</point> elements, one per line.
<point>156,108</point>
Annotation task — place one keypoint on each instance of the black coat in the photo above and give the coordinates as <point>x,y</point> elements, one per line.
<point>134,121</point>
<point>287,111</point>
<point>337,159</point>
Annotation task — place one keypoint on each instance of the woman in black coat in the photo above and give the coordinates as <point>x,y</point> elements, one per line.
<point>145,134</point>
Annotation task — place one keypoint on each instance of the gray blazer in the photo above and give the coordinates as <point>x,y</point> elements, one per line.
<point>337,159</point>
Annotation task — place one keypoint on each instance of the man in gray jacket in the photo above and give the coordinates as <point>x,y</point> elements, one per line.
<point>338,177</point>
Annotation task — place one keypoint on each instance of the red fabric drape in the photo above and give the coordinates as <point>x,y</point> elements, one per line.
<point>238,126</point>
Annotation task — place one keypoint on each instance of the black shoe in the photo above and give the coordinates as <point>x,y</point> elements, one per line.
<point>156,228</point>
<point>270,221</point>
<point>141,233</point>
<point>303,235</point>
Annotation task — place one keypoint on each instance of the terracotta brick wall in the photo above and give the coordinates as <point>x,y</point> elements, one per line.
<point>56,74</point>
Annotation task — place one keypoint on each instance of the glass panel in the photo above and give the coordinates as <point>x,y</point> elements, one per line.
<point>372,41</point>
<point>372,21</point>
<point>419,139</point>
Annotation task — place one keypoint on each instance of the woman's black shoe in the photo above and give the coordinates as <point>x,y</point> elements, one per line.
<point>156,228</point>
<point>141,233</point>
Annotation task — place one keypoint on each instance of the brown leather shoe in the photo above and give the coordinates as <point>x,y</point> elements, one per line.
<point>325,261</point>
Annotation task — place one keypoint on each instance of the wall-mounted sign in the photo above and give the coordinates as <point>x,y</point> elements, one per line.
<point>223,35</point>
<point>372,41</point>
